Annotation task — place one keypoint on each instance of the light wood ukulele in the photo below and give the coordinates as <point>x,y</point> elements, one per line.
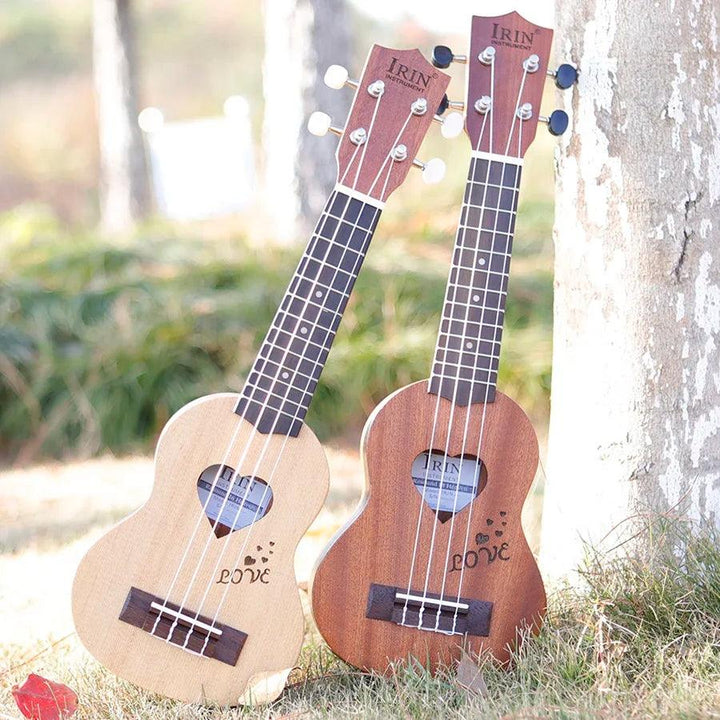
<point>435,557</point>
<point>194,596</point>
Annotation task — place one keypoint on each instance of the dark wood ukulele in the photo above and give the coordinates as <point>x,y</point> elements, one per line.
<point>435,557</point>
<point>194,596</point>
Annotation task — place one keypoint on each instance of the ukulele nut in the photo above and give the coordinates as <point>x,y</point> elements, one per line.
<point>487,56</point>
<point>358,137</point>
<point>377,88</point>
<point>483,104</point>
<point>419,107</point>
<point>399,153</point>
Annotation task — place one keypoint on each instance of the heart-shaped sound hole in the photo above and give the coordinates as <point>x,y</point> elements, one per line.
<point>448,483</point>
<point>231,501</point>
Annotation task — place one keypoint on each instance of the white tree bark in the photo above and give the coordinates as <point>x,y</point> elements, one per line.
<point>125,192</point>
<point>635,420</point>
<point>302,38</point>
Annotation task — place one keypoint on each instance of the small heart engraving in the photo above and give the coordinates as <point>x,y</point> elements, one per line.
<point>258,548</point>
<point>232,501</point>
<point>264,559</point>
<point>250,560</point>
<point>498,533</point>
<point>503,513</point>
<point>481,538</point>
<point>489,521</point>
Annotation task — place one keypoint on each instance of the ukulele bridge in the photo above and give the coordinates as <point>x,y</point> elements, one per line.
<point>193,633</point>
<point>428,611</point>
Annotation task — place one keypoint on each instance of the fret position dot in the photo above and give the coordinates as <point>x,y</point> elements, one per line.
<point>318,294</point>
<point>468,345</point>
<point>481,261</point>
<point>476,298</point>
<point>303,330</point>
<point>285,375</point>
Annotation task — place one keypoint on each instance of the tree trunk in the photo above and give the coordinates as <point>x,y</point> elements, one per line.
<point>302,38</point>
<point>125,192</point>
<point>635,421</point>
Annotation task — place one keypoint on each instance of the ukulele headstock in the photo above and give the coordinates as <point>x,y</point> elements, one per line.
<point>507,66</point>
<point>395,101</point>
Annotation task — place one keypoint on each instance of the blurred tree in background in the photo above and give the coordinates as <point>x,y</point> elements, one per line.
<point>302,39</point>
<point>124,187</point>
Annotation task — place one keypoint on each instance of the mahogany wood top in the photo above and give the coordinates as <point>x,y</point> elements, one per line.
<point>485,542</point>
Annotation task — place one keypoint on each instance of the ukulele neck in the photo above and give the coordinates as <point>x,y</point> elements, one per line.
<point>280,386</point>
<point>467,353</point>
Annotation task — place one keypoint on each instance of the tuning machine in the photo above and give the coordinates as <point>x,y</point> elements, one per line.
<point>337,77</point>
<point>453,123</point>
<point>319,124</point>
<point>433,171</point>
<point>442,56</point>
<point>565,76</point>
<point>557,122</point>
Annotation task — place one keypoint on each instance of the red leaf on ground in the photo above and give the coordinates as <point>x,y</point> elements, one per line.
<point>41,699</point>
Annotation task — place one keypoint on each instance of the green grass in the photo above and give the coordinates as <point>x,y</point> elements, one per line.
<point>639,639</point>
<point>101,342</point>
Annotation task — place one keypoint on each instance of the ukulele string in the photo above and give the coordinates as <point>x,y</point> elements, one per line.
<point>231,481</point>
<point>507,254</point>
<point>465,341</point>
<point>254,432</point>
<point>356,268</point>
<point>279,454</point>
<point>203,511</point>
<point>483,309</point>
<point>433,433</point>
<point>259,461</point>
<point>261,458</point>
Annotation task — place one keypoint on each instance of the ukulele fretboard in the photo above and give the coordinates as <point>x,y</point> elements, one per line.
<point>468,348</point>
<point>282,381</point>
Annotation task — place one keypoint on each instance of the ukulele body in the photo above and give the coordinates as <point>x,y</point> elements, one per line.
<point>145,550</point>
<point>376,546</point>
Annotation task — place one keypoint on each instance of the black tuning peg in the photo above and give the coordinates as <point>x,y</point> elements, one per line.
<point>442,56</point>
<point>557,122</point>
<point>565,76</point>
<point>445,103</point>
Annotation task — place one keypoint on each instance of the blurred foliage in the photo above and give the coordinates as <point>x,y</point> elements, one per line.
<point>101,342</point>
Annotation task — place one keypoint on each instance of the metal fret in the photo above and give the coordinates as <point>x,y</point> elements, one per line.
<point>289,294</point>
<point>473,368</point>
<point>284,399</point>
<point>284,369</point>
<point>458,376</point>
<point>469,338</point>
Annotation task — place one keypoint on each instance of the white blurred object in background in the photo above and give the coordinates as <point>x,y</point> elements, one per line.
<point>201,168</point>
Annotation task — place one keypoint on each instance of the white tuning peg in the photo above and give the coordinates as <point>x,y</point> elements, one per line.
<point>336,77</point>
<point>452,125</point>
<point>433,171</point>
<point>319,124</point>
